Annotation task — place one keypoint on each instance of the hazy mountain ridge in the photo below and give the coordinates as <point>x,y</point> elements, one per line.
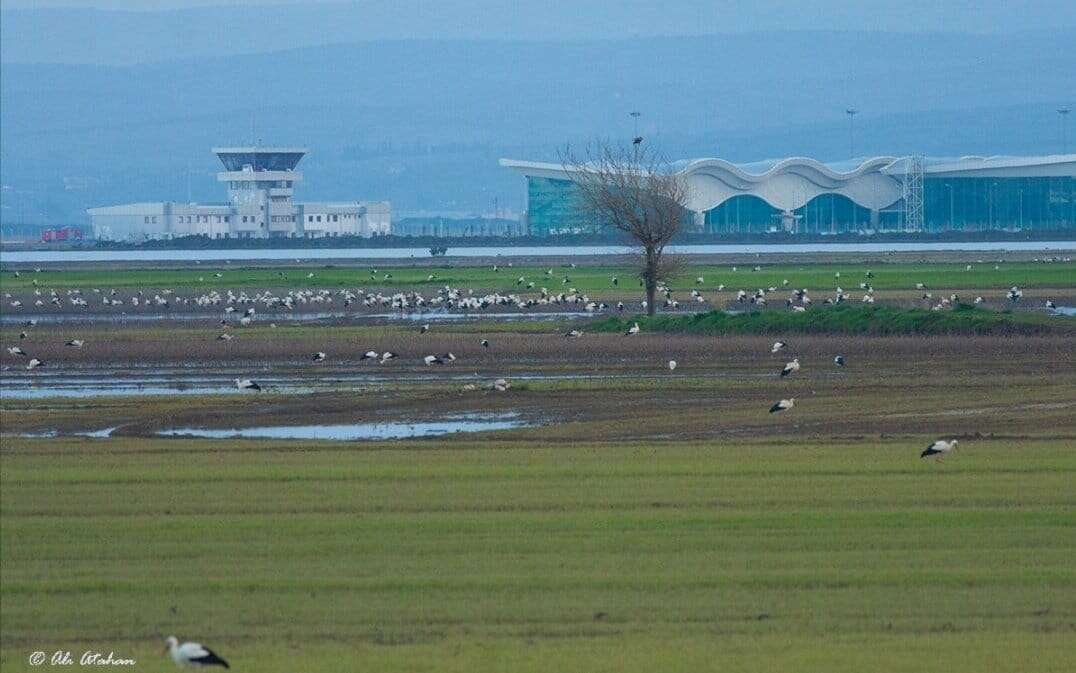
<point>422,122</point>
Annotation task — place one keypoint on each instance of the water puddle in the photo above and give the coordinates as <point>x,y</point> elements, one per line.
<point>358,431</point>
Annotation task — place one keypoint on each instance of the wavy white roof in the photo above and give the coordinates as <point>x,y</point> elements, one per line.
<point>790,183</point>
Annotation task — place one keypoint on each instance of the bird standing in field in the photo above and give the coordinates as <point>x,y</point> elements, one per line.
<point>75,343</point>
<point>783,405</point>
<point>791,367</point>
<point>225,337</point>
<point>433,360</point>
<point>388,355</point>
<point>318,357</point>
<point>778,346</point>
<point>672,365</point>
<point>573,334</point>
<point>370,355</point>
<point>35,363</point>
<point>839,360</point>
<point>16,350</point>
<point>938,448</point>
<point>192,654</point>
<point>246,384</point>
<point>485,343</point>
<point>633,330</point>
<point>425,328</point>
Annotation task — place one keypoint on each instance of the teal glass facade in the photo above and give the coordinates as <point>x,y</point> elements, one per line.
<point>552,207</point>
<point>999,203</point>
<point>748,214</point>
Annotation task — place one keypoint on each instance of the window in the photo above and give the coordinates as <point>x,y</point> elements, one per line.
<point>319,218</point>
<point>336,218</point>
<point>147,221</point>
<point>309,218</point>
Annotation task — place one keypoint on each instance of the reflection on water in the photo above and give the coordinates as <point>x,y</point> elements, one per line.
<point>306,254</point>
<point>356,431</point>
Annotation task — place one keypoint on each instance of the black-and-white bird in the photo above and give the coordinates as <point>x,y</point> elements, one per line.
<point>838,360</point>
<point>16,350</point>
<point>791,367</point>
<point>1050,304</point>
<point>318,357</point>
<point>225,337</point>
<point>448,357</point>
<point>34,363</point>
<point>938,448</point>
<point>75,343</point>
<point>672,365</point>
<point>783,405</point>
<point>778,346</point>
<point>485,343</point>
<point>388,355</point>
<point>370,355</point>
<point>192,654</point>
<point>425,328</point>
<point>246,384</point>
<point>433,360</point>
<point>633,330</point>
<point>573,334</point>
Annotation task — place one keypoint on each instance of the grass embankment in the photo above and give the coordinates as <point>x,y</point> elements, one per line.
<point>806,555</point>
<point>846,319</point>
<point>817,276</point>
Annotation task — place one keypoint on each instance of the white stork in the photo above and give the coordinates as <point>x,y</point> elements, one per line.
<point>75,343</point>
<point>318,357</point>
<point>783,405</point>
<point>938,448</point>
<point>433,360</point>
<point>370,355</point>
<point>778,345</point>
<point>573,334</point>
<point>16,350</point>
<point>246,384</point>
<point>633,330</point>
<point>485,343</point>
<point>192,654</point>
<point>35,363</point>
<point>839,360</point>
<point>672,365</point>
<point>388,355</point>
<point>793,366</point>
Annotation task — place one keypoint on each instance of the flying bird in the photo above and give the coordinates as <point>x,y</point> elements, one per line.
<point>783,405</point>
<point>246,384</point>
<point>938,448</point>
<point>791,367</point>
<point>192,654</point>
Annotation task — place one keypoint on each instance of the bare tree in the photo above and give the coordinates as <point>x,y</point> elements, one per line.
<point>635,192</point>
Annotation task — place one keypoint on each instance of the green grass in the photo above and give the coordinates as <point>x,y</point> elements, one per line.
<point>845,319</point>
<point>585,278</point>
<point>779,555</point>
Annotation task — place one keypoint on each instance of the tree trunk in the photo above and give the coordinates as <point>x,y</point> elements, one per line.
<point>650,280</point>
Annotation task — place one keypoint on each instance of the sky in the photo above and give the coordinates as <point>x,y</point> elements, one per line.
<point>977,16</point>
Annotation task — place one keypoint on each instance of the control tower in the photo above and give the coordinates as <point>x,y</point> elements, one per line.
<point>260,186</point>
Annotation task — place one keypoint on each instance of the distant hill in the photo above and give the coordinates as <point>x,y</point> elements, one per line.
<point>423,122</point>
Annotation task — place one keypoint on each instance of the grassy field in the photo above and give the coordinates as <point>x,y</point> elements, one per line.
<point>887,276</point>
<point>777,555</point>
<point>650,520</point>
<point>847,319</point>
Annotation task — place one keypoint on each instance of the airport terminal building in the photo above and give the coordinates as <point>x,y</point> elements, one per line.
<point>801,195</point>
<point>260,183</point>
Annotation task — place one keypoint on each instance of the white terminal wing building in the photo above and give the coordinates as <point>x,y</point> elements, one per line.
<point>260,182</point>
